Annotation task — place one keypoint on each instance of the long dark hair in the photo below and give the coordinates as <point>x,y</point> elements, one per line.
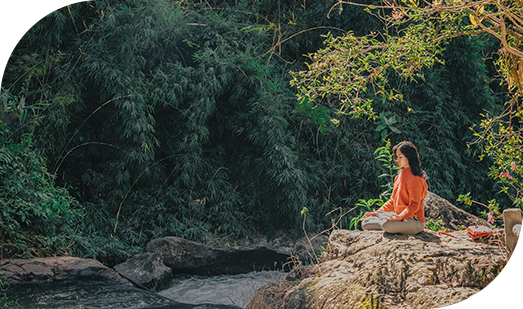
<point>411,153</point>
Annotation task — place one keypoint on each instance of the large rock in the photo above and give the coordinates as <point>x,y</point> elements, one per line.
<point>305,249</point>
<point>309,249</point>
<point>361,268</point>
<point>146,270</point>
<point>257,253</point>
<point>68,282</point>
<point>19,271</point>
<point>453,218</point>
<point>184,256</point>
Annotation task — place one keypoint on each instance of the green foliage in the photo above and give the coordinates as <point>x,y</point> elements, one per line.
<point>5,301</point>
<point>174,118</point>
<point>354,222</point>
<point>434,225</point>
<point>33,209</point>
<point>320,114</point>
<point>480,276</point>
<point>385,156</point>
<point>349,65</point>
<point>503,144</point>
<point>387,123</point>
<point>413,39</point>
<point>493,215</point>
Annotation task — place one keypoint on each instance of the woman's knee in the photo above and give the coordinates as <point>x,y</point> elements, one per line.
<point>390,226</point>
<point>371,223</point>
<point>405,227</point>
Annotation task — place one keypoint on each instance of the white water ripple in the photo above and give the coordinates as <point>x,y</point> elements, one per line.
<point>238,290</point>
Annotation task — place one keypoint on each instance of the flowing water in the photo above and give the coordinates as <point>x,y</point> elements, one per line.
<point>185,292</point>
<point>233,290</point>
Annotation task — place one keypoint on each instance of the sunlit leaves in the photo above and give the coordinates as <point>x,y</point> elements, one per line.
<point>349,65</point>
<point>503,143</point>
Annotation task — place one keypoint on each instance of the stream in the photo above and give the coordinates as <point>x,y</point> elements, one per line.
<point>184,292</point>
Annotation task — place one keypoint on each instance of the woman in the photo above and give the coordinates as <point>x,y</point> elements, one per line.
<point>404,212</point>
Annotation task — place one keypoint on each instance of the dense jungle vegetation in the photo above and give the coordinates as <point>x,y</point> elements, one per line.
<point>124,121</point>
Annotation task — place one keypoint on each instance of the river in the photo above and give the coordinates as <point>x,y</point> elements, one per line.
<point>184,292</point>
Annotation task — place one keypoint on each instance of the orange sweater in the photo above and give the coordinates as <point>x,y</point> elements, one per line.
<point>407,196</point>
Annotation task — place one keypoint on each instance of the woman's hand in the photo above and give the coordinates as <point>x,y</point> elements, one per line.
<point>395,217</point>
<point>368,214</point>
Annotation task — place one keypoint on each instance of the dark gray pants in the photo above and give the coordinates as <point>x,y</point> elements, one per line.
<point>410,226</point>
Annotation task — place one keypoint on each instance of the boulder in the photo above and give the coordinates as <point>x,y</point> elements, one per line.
<point>19,271</point>
<point>68,282</point>
<point>189,257</point>
<point>362,268</point>
<point>309,249</point>
<point>453,218</point>
<point>243,256</point>
<point>305,248</point>
<point>146,270</point>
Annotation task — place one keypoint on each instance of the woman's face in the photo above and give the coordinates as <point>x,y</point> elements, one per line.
<point>401,160</point>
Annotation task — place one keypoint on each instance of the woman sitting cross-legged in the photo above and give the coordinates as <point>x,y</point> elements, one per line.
<point>404,212</point>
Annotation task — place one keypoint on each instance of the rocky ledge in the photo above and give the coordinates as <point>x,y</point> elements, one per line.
<point>167,256</point>
<point>41,270</point>
<point>373,269</point>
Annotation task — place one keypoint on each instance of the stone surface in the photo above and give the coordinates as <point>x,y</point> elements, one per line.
<point>309,249</point>
<point>188,257</point>
<point>19,271</point>
<point>146,270</point>
<point>437,208</point>
<point>256,252</point>
<point>85,292</point>
<point>306,248</point>
<point>360,268</point>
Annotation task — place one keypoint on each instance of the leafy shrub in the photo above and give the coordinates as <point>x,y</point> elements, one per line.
<point>175,118</point>
<point>434,225</point>
<point>34,210</point>
<point>5,301</point>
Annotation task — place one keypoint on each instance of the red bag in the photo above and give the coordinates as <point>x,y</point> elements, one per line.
<point>479,231</point>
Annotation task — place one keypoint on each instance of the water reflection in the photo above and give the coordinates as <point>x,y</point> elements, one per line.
<point>185,292</point>
<point>84,294</point>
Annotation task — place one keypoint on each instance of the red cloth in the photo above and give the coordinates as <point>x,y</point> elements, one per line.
<point>479,231</point>
<point>407,196</point>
